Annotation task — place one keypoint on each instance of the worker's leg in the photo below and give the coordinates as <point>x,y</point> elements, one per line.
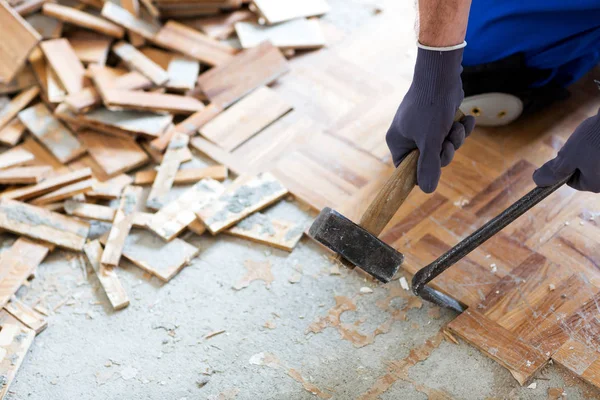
<point>528,50</point>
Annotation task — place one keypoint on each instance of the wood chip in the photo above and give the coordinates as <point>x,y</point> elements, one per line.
<point>173,218</point>
<point>65,192</point>
<point>18,40</point>
<point>107,276</point>
<point>167,171</point>
<point>38,223</point>
<point>137,61</point>
<point>194,44</point>
<point>48,185</point>
<point>296,34</point>
<point>184,176</point>
<point>59,140</point>
<point>24,175</point>
<point>15,342</point>
<point>245,118</point>
<point>19,102</point>
<point>245,72</point>
<point>246,195</point>
<point>122,17</point>
<point>128,206</point>
<point>65,64</point>
<point>85,20</point>
<point>260,228</point>
<point>113,155</point>
<point>275,11</point>
<point>27,316</point>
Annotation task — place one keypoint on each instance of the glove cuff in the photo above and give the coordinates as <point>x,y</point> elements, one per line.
<point>437,76</point>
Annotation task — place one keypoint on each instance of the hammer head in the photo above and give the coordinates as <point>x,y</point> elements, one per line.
<point>356,245</point>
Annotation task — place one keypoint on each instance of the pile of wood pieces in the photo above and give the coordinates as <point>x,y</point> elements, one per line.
<point>93,90</point>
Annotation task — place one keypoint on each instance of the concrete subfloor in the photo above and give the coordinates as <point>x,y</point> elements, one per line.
<point>157,348</point>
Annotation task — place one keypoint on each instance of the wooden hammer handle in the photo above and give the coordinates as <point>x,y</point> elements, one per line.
<point>393,193</point>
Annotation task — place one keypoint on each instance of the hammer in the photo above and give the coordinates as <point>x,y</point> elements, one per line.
<point>360,246</point>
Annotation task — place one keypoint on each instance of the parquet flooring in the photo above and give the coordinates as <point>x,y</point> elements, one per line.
<point>532,291</point>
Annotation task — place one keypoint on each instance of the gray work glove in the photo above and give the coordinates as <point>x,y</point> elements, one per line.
<point>581,154</point>
<point>425,118</point>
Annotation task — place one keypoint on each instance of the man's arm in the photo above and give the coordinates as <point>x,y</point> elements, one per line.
<point>443,23</point>
<point>425,117</point>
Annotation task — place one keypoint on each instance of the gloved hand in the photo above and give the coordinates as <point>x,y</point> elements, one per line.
<point>580,154</point>
<point>425,118</point>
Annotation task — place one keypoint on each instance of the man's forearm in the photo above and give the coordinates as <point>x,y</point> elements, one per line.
<point>443,23</point>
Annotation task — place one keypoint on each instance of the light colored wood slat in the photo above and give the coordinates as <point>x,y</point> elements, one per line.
<point>48,185</point>
<point>107,276</point>
<point>220,26</point>
<point>98,212</point>
<point>275,11</point>
<point>250,69</point>
<point>296,34</point>
<point>59,140</point>
<point>89,97</point>
<point>188,126</point>
<point>18,263</point>
<point>245,118</point>
<point>65,192</point>
<point>91,50</point>
<point>15,156</point>
<point>133,7</point>
<point>173,218</point>
<point>110,189</point>
<point>24,175</point>
<point>122,17</point>
<point>184,176</point>
<point>29,317</point>
<point>65,64</point>
<point>12,132</point>
<point>41,156</point>
<point>24,80</point>
<point>156,102</point>
<point>56,92</point>
<point>113,155</point>
<point>186,12</point>
<point>85,20</point>
<point>246,195</point>
<point>162,259</point>
<point>218,154</point>
<point>183,73</point>
<point>166,171</point>
<point>47,27</point>
<point>522,360</point>
<point>259,228</point>
<point>194,44</point>
<point>136,60</point>
<point>18,40</point>
<point>128,206</point>
<point>15,342</point>
<point>41,224</point>
<point>18,103</point>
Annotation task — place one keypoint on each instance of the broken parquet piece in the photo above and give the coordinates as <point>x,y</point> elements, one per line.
<point>91,49</point>
<point>65,64</point>
<point>65,192</point>
<point>23,175</point>
<point>149,101</point>
<point>98,212</point>
<point>248,70</point>
<point>122,17</point>
<point>246,195</point>
<point>114,155</point>
<point>12,132</point>
<point>48,185</point>
<point>83,19</point>
<point>275,11</point>
<point>110,189</point>
<point>194,44</point>
<point>107,276</point>
<point>18,263</point>
<point>18,103</point>
<point>183,176</point>
<point>15,342</point>
<point>220,26</point>
<point>59,140</point>
<point>15,156</point>
<point>245,118</point>
<point>26,315</point>
<point>152,254</point>
<point>262,229</point>
<point>137,61</point>
<point>121,225</point>
<point>167,170</point>
<point>173,218</point>
<point>18,40</point>
<point>296,34</point>
<point>38,223</point>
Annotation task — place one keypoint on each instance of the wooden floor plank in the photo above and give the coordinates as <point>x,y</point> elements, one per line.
<point>85,20</point>
<point>65,192</point>
<point>24,175</point>
<point>183,176</point>
<point>122,17</point>
<point>167,171</point>
<point>274,11</point>
<point>28,316</point>
<point>137,61</point>
<point>262,229</point>
<point>12,132</point>
<point>15,342</point>
<point>65,64</point>
<point>296,34</point>
<point>156,102</point>
<point>97,212</point>
<point>48,185</point>
<point>107,276</point>
<point>18,103</point>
